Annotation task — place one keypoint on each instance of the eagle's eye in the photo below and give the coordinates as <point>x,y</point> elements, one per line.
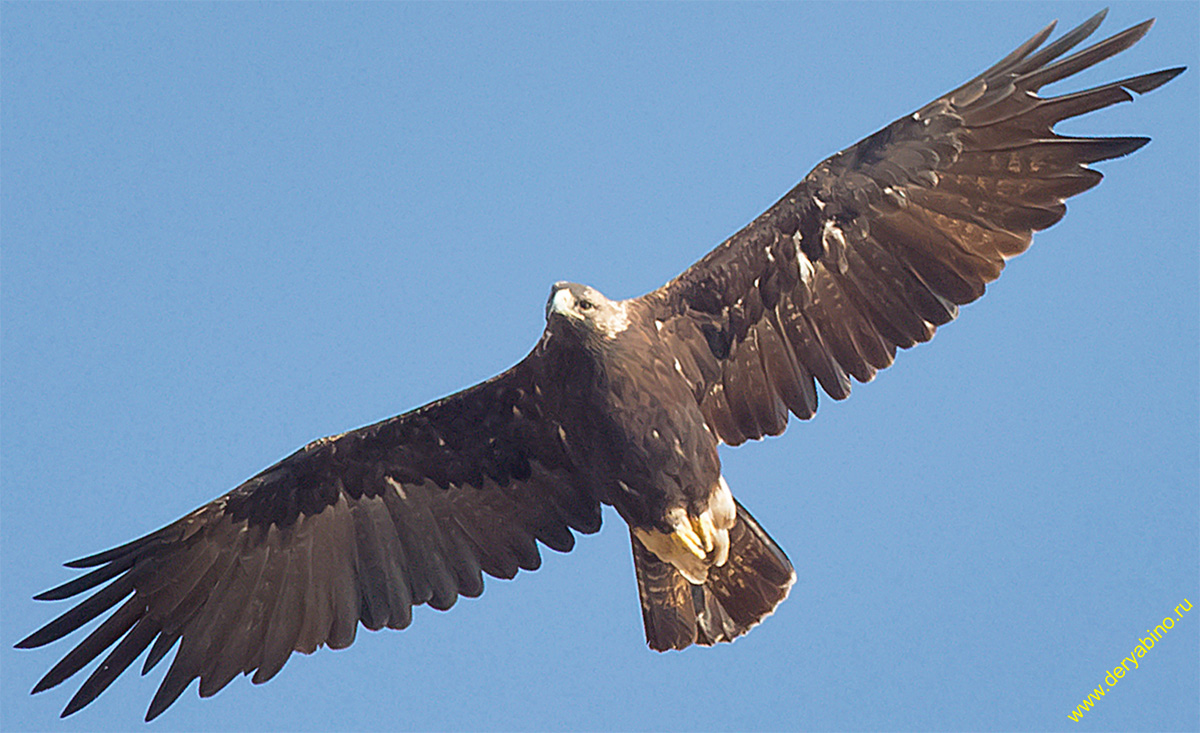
<point>585,305</point>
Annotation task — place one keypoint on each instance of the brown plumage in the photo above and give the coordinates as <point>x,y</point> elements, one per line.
<point>621,403</point>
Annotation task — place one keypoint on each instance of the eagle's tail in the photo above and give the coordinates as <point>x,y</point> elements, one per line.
<point>735,598</point>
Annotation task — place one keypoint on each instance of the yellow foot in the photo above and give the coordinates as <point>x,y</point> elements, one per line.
<point>695,544</point>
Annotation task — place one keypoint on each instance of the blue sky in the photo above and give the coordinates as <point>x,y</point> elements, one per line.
<point>230,229</point>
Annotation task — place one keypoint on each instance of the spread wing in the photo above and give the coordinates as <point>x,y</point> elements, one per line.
<point>358,527</point>
<point>880,243</point>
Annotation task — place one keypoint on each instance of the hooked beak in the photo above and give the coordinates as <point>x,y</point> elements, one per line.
<point>560,302</point>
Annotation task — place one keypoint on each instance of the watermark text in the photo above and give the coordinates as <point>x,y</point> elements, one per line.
<point>1131,662</point>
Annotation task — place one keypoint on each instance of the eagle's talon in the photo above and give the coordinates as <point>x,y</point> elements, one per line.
<point>707,530</point>
<point>687,538</point>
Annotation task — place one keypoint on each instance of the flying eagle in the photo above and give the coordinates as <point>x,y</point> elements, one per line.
<point>621,403</point>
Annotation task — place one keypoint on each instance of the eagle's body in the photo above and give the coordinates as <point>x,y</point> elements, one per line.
<point>621,403</point>
<point>638,416</point>
<point>640,420</point>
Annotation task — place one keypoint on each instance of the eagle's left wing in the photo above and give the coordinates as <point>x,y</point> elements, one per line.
<point>355,528</point>
<point>880,243</point>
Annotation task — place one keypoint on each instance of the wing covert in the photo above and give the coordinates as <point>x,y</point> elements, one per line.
<point>358,527</point>
<point>879,244</point>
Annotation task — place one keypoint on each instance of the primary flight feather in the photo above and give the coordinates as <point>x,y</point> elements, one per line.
<point>621,403</point>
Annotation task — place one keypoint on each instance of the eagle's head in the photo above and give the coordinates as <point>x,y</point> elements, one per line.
<point>586,311</point>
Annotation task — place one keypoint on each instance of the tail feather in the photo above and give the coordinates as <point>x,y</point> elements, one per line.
<point>668,611</point>
<point>736,597</point>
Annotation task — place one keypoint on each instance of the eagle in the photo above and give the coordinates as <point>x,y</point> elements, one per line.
<point>620,402</point>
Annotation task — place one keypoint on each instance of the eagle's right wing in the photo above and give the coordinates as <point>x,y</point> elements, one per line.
<point>880,243</point>
<point>358,527</point>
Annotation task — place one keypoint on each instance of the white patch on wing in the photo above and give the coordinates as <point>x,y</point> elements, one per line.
<point>397,486</point>
<point>832,233</point>
<point>658,325</point>
<point>834,242</point>
<point>803,264</point>
<point>313,445</point>
<point>896,195</point>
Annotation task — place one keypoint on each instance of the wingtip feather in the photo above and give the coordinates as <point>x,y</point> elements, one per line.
<point>1150,82</point>
<point>26,643</point>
